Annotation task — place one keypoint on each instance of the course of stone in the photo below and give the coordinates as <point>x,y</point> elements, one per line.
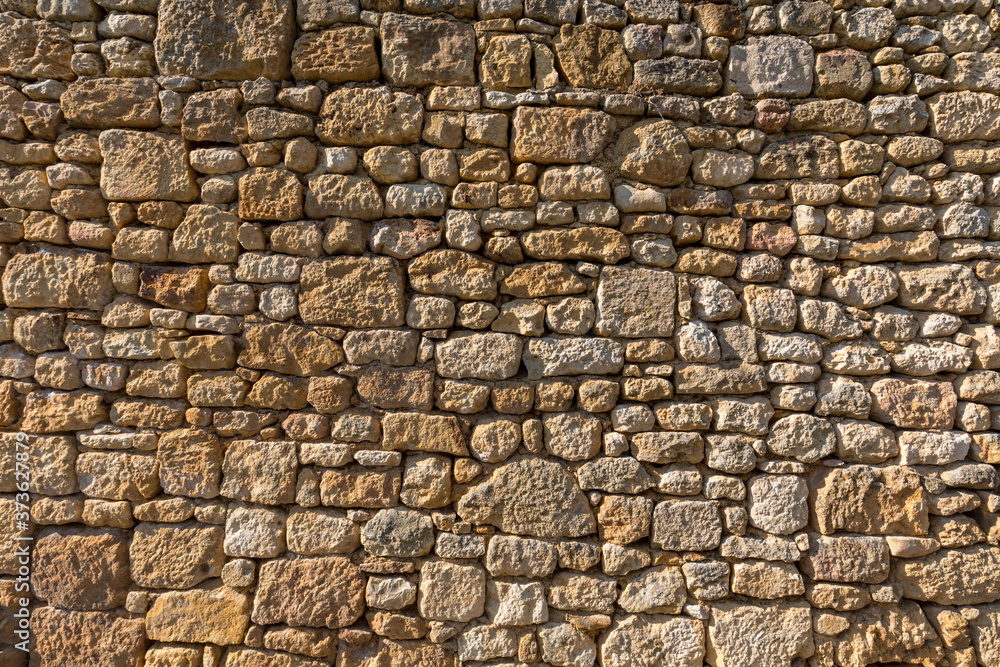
<point>428,333</point>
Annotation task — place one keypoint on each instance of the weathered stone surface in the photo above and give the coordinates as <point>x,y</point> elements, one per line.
<point>207,234</point>
<point>451,591</point>
<point>778,503</point>
<point>86,570</point>
<point>417,51</point>
<point>766,634</point>
<point>591,57</point>
<point>559,136</point>
<point>545,357</point>
<point>914,403</point>
<point>34,49</point>
<point>214,116</point>
<point>114,638</point>
<point>176,555</point>
<point>145,165</point>
<point>888,632</point>
<point>800,157</point>
<point>58,278</point>
<point>771,67</point>
<point>393,653</point>
<point>952,114</point>
<point>313,592</point>
<point>336,55</point>
<point>635,303</point>
<point>848,559</point>
<point>226,40</point>
<point>595,244</point>
<point>260,472</point>
<point>286,348</point>
<point>639,639</point>
<point>385,118</point>
<point>534,331</point>
<point>654,152</point>
<point>104,103</point>
<point>117,475</point>
<point>358,487</point>
<point>686,525</point>
<point>190,463</point>
<point>219,616</point>
<point>951,576</point>
<point>486,356</point>
<point>804,437</point>
<point>529,497</point>
<point>420,432</point>
<point>347,196</point>
<point>871,501</point>
<point>947,287</point>
<point>453,272</point>
<point>675,74</point>
<point>362,292</point>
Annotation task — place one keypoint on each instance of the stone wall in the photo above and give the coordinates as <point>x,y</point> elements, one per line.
<point>457,332</point>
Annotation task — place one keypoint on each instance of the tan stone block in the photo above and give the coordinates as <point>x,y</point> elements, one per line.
<point>225,39</point>
<point>85,569</point>
<point>58,278</point>
<point>314,592</point>
<point>84,638</point>
<point>336,55</point>
<point>592,57</point>
<point>289,349</point>
<point>217,616</point>
<point>417,51</point>
<point>145,165</point>
<point>190,463</point>
<point>559,135</point>
<point>386,118</point>
<point>270,194</point>
<point>182,289</point>
<point>260,472</point>
<point>104,103</point>
<point>359,292</point>
<point>176,555</point>
<point>50,411</point>
<point>355,486</point>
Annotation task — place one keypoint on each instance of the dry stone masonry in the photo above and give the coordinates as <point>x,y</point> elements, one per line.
<point>441,333</point>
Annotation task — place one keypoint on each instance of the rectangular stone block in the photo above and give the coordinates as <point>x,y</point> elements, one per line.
<point>139,166</point>
<point>232,40</point>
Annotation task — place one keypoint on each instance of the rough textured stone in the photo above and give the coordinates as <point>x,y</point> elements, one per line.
<point>363,292</point>
<point>417,51</point>
<point>549,332</point>
<point>176,555</point>
<point>771,67</point>
<point>219,616</point>
<point>57,278</point>
<point>115,639</point>
<point>336,55</point>
<point>871,501</point>
<point>592,57</point>
<point>530,497</point>
<point>386,118</point>
<point>635,303</point>
<point>145,165</point>
<point>86,570</point>
<point>766,634</point>
<point>951,576</point>
<point>559,136</point>
<point>315,592</point>
<point>222,39</point>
